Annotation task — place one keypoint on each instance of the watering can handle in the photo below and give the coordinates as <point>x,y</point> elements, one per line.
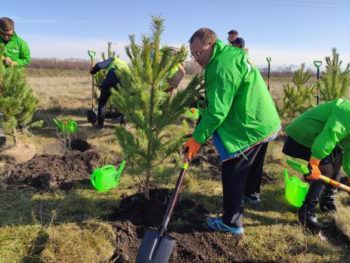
<point>303,168</point>
<point>317,63</point>
<point>108,167</point>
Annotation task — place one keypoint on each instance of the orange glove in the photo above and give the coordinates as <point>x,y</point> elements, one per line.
<point>192,147</point>
<point>315,170</point>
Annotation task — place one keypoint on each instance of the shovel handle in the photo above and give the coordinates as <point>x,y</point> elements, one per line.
<point>174,198</point>
<point>317,63</point>
<point>91,54</point>
<point>335,183</point>
<point>300,167</point>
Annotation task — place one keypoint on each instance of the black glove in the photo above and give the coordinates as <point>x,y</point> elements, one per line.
<point>101,65</point>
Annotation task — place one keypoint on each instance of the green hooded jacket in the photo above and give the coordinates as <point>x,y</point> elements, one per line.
<point>324,127</point>
<point>17,50</point>
<point>239,107</point>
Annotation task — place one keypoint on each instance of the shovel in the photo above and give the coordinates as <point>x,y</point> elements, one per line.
<point>318,64</point>
<point>91,114</point>
<point>300,167</point>
<point>156,246</point>
<point>268,59</point>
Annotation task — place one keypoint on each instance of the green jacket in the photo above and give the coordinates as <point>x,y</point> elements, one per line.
<point>17,50</point>
<point>239,107</point>
<point>324,127</point>
<point>119,66</point>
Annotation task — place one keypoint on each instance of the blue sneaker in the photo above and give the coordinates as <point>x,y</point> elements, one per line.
<point>215,223</point>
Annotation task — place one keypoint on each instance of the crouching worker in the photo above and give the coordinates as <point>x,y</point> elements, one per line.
<point>113,66</point>
<point>241,117</point>
<point>320,136</point>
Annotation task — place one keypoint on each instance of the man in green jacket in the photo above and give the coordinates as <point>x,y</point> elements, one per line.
<point>241,117</point>
<point>16,51</point>
<point>321,136</point>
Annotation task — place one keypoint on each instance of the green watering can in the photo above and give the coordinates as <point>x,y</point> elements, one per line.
<point>295,189</point>
<point>106,177</point>
<point>192,113</point>
<point>69,126</point>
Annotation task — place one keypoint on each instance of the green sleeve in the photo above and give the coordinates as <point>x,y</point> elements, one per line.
<point>220,91</point>
<point>24,57</point>
<point>333,132</point>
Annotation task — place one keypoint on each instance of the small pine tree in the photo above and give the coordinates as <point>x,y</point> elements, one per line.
<point>297,97</point>
<point>150,111</point>
<point>334,83</point>
<point>17,101</point>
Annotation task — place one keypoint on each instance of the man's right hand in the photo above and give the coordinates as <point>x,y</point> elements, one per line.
<point>315,173</point>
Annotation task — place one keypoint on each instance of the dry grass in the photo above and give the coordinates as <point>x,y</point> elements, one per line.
<point>69,226</point>
<point>342,217</point>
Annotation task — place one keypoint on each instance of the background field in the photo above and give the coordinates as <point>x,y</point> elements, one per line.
<point>68,226</point>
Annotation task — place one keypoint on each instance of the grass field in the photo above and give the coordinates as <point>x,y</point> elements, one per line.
<point>68,226</point>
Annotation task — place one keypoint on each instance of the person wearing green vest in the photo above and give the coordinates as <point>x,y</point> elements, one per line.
<point>114,66</point>
<point>241,117</point>
<point>321,136</point>
<point>16,50</point>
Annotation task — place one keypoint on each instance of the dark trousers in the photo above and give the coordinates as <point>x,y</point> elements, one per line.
<point>239,176</point>
<point>317,188</point>
<point>110,81</point>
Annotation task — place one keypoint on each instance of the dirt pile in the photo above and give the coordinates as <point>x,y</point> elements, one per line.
<point>194,242</point>
<point>54,171</point>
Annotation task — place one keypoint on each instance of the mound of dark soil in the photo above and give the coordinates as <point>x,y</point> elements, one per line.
<point>79,145</point>
<point>54,171</point>
<point>194,242</point>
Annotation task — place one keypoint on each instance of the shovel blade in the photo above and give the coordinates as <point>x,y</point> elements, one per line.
<point>155,248</point>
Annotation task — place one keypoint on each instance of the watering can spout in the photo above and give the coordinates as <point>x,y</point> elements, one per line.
<point>120,170</point>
